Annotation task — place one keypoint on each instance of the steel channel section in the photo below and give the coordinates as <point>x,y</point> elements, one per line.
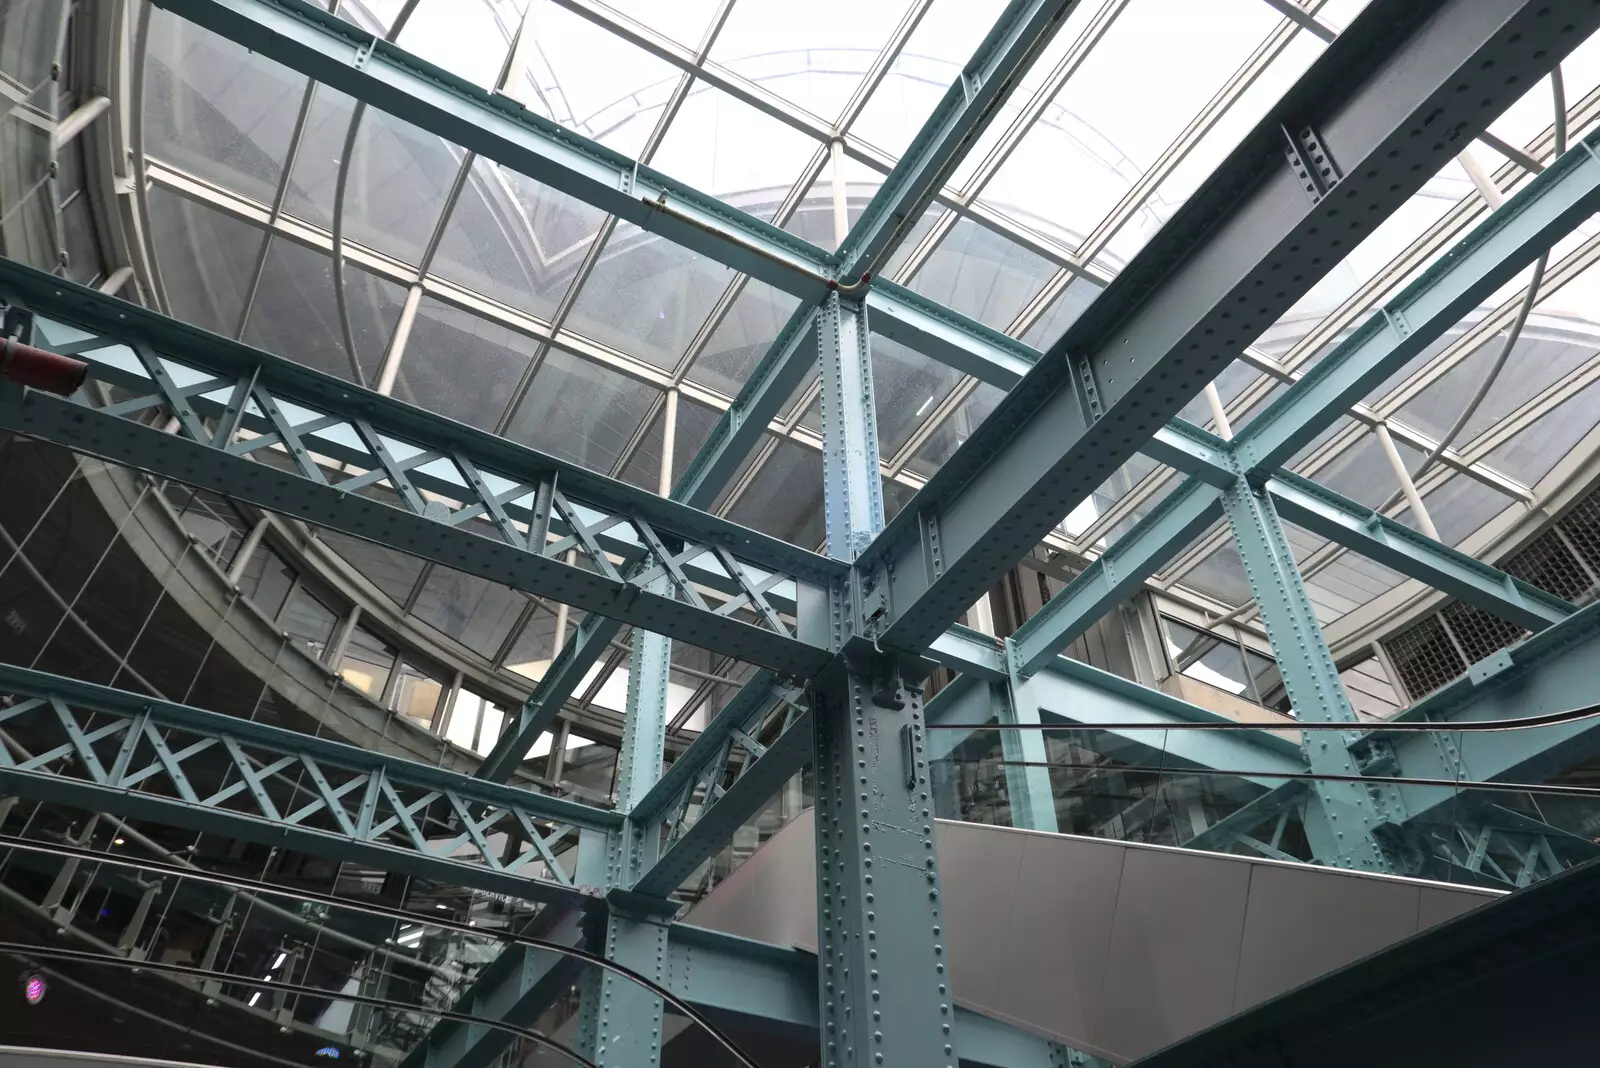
<point>424,529</point>
<point>1342,824</point>
<point>620,1022</point>
<point>1565,194</point>
<point>554,689</point>
<point>1392,100</point>
<point>969,105</point>
<point>357,779</point>
<point>1551,671</point>
<point>1115,575</point>
<point>1377,537</point>
<point>498,128</point>
<point>884,994</point>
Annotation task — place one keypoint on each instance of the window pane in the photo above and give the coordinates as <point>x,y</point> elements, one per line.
<point>367,663</point>
<point>1206,658</point>
<point>310,622</point>
<point>266,581</point>
<point>417,696</point>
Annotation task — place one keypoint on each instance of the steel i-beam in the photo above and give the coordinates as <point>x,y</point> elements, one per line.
<point>1385,106</point>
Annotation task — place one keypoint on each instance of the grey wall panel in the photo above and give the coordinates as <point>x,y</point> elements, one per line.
<point>1115,948</point>
<point>978,874</point>
<point>1058,938</point>
<point>1300,924</point>
<point>1434,906</point>
<point>1174,948</point>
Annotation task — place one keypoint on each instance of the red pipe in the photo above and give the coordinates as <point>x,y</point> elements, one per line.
<point>48,371</point>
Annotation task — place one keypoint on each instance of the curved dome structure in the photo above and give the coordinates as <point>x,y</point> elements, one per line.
<point>1051,191</point>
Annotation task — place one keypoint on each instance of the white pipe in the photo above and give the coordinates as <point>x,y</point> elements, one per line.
<point>1219,414</point>
<point>1407,486</point>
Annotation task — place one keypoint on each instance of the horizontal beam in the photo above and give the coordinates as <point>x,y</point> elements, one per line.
<point>763,986</point>
<point>1238,254</point>
<point>1507,241</point>
<point>252,426</point>
<point>1023,30</point>
<point>1079,693</point>
<point>1116,574</point>
<point>723,810</point>
<point>105,750</point>
<point>347,58</point>
<point>1067,690</point>
<point>1395,545</point>
<point>1550,672</point>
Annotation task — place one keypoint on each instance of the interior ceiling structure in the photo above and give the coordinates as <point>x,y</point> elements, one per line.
<point>531,427</point>
<point>550,322</point>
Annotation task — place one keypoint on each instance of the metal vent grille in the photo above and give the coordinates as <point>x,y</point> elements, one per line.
<point>1581,525</point>
<point>1424,657</point>
<point>1479,634</point>
<point>1548,564</point>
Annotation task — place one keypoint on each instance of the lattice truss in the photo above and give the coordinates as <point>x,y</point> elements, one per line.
<point>734,757</point>
<point>530,529</point>
<point>198,769</point>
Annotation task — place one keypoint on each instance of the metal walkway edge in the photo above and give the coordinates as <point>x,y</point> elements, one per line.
<point>1116,949</point>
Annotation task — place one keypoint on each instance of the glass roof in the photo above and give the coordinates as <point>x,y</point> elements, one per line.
<point>542,319</point>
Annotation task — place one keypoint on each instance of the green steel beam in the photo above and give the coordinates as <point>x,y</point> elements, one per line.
<point>1550,672</point>
<point>105,750</point>
<point>724,806</point>
<point>1395,545</point>
<point>619,1021</point>
<point>1345,816</point>
<point>1021,32</point>
<point>743,712</point>
<point>1115,575</point>
<point>969,105</point>
<point>516,988</point>
<point>251,426</point>
<point>341,55</point>
<point>774,988</point>
<point>544,702</point>
<point>1248,244</point>
<point>1563,195</point>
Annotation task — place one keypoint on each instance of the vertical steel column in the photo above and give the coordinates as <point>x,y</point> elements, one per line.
<point>1341,818</point>
<point>884,993</point>
<point>620,1022</point>
<point>1028,789</point>
<point>852,488</point>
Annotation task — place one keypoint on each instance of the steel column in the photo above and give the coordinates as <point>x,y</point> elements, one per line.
<point>1028,788</point>
<point>883,989</point>
<point>1342,827</point>
<point>852,486</point>
<point>620,1022</point>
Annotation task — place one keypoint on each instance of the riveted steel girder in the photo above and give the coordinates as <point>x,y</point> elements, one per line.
<point>1390,100</point>
<point>259,428</point>
<point>105,750</point>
